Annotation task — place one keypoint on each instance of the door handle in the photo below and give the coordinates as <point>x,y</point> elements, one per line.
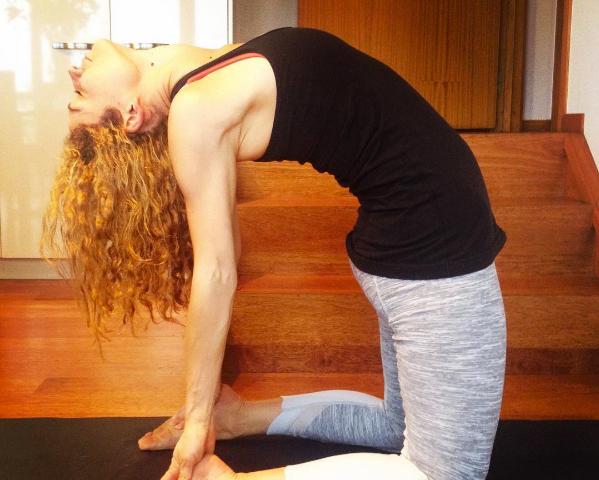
<point>71,46</point>
<point>88,46</point>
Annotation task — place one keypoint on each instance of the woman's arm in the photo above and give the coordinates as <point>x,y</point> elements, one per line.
<point>203,153</point>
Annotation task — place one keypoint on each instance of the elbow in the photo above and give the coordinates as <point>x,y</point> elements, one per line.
<point>219,276</point>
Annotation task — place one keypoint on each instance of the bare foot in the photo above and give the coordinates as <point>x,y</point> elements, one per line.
<point>166,435</point>
<point>226,410</point>
<point>228,413</point>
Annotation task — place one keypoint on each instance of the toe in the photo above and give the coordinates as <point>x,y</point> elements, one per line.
<point>160,439</point>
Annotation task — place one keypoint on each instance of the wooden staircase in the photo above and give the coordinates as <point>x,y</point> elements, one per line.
<point>300,309</point>
<point>301,322</point>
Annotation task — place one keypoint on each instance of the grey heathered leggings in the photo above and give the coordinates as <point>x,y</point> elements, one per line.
<point>443,346</point>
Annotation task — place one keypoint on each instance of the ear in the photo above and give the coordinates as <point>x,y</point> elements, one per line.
<point>134,116</point>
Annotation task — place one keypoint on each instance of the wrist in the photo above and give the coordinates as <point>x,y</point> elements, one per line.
<point>196,425</point>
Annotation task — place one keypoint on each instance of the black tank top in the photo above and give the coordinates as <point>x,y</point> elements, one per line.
<point>424,209</point>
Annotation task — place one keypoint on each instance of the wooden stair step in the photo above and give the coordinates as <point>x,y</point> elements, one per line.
<point>290,358</point>
<point>543,148</point>
<point>531,397</point>
<point>544,264</point>
<point>160,350</point>
<point>558,226</point>
<point>534,321</point>
<point>351,201</point>
<point>337,263</point>
<point>507,178</point>
<point>342,284</point>
<point>513,165</point>
<point>27,293</point>
<point>551,305</point>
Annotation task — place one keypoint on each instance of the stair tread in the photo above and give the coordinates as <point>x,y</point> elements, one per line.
<point>17,291</point>
<point>322,284</point>
<point>531,397</point>
<point>513,165</point>
<point>351,201</point>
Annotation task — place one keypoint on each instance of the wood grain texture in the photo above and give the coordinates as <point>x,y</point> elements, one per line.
<point>584,174</point>
<point>314,263</point>
<point>536,126</point>
<point>514,165</point>
<point>511,66</point>
<point>596,253</point>
<point>526,397</point>
<point>561,63</point>
<point>573,123</point>
<point>446,49</point>
<point>532,226</point>
<point>49,367</point>
<point>550,330</point>
<point>517,105</point>
<point>573,189</point>
<point>583,167</point>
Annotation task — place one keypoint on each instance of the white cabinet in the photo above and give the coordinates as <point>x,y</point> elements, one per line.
<point>33,121</point>
<point>36,88</point>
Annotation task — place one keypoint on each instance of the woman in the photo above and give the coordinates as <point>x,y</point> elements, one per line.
<point>423,247</point>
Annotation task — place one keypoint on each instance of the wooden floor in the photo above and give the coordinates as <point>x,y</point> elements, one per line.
<point>49,367</point>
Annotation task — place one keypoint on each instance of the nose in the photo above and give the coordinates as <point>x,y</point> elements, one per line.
<point>75,74</point>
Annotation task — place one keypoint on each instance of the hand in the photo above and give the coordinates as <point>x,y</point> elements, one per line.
<point>196,442</point>
<point>227,415</point>
<point>213,468</point>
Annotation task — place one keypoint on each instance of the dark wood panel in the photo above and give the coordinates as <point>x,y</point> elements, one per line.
<point>447,49</point>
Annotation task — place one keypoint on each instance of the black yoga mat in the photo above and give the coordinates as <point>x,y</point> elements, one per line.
<point>106,449</point>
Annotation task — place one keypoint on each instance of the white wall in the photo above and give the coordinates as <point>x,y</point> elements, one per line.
<point>255,17</point>
<point>538,59</point>
<point>583,89</point>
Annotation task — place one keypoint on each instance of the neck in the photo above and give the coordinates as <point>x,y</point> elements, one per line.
<point>161,68</point>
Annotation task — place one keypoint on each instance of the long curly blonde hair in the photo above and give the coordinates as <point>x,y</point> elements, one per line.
<point>118,216</point>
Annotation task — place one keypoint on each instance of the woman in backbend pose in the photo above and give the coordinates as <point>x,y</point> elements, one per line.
<point>131,205</point>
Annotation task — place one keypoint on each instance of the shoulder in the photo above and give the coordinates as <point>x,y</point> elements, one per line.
<point>225,94</point>
<point>206,108</point>
<point>221,109</point>
<point>204,117</point>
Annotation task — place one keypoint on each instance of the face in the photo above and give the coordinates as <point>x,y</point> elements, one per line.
<point>107,78</point>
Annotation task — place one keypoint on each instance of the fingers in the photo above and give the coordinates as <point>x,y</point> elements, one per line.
<point>180,472</point>
<point>175,473</point>
<point>172,473</point>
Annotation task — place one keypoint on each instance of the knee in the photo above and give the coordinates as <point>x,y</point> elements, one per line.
<point>393,442</point>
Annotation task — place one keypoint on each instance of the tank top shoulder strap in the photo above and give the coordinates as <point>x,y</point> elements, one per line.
<point>247,50</point>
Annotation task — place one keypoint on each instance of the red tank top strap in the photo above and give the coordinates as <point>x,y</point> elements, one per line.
<point>224,63</point>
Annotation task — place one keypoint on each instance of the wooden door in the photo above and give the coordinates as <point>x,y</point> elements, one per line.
<point>447,49</point>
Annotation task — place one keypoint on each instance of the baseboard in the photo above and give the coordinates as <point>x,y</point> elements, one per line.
<point>571,123</point>
<point>536,125</point>
<point>26,269</point>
